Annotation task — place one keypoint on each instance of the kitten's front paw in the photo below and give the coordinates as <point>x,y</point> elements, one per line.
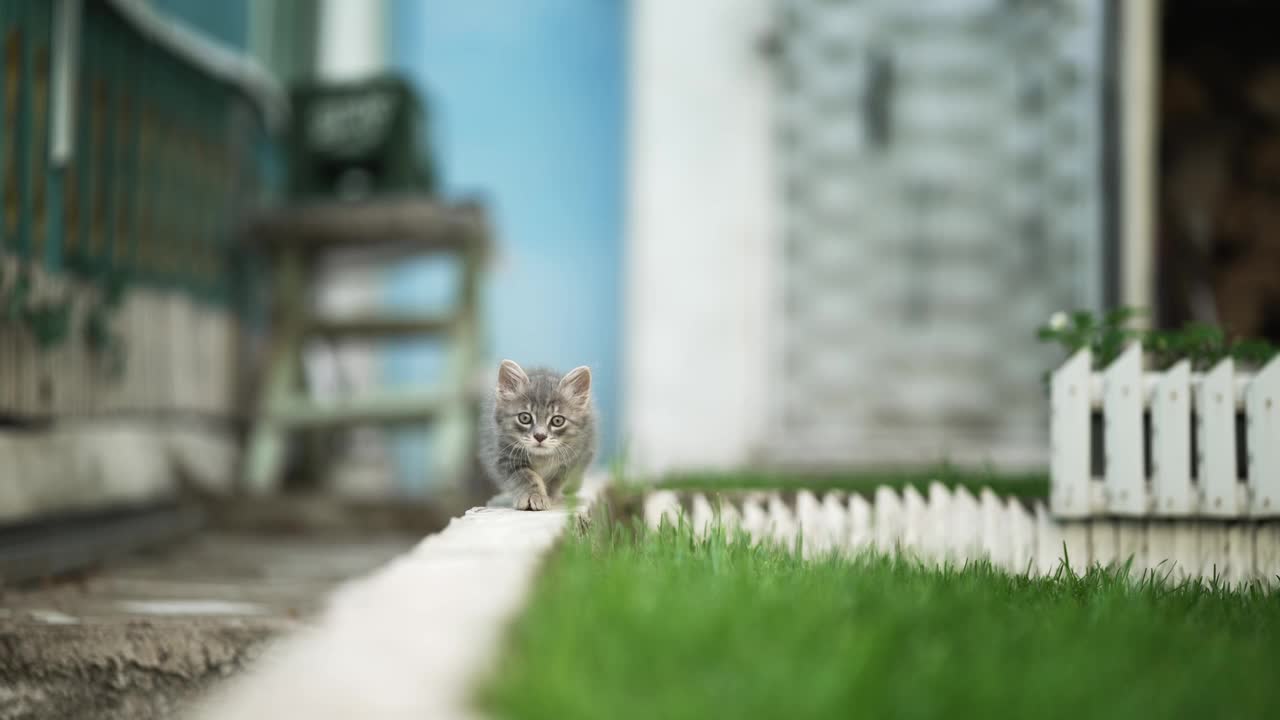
<point>534,500</point>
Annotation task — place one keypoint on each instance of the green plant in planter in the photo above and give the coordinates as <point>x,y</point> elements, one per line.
<point>1254,351</point>
<point>48,320</point>
<point>98,334</point>
<point>1201,343</point>
<point>1105,337</point>
<point>15,299</point>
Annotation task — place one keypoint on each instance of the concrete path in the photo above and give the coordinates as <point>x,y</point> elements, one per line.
<point>138,638</point>
<point>410,640</point>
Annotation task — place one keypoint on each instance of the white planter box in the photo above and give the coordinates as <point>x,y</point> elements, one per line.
<point>1186,460</point>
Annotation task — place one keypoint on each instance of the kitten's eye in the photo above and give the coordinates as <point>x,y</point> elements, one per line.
<point>557,421</point>
<point>525,418</point>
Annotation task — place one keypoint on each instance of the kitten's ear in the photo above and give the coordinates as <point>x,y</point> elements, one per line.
<point>511,379</point>
<point>577,384</point>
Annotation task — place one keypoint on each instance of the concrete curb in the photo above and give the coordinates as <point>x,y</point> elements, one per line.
<point>409,640</point>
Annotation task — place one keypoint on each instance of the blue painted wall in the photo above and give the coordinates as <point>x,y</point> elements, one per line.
<point>526,102</point>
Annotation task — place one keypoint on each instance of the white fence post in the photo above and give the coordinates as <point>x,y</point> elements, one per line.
<point>1186,547</point>
<point>813,524</point>
<point>701,516</point>
<point>1048,543</point>
<point>1122,401</point>
<point>940,520</point>
<point>862,534</point>
<point>964,529</point>
<point>1267,552</point>
<point>1216,435</point>
<point>1075,535</point>
<point>1262,412</point>
<point>916,523</point>
<point>661,505</point>
<point>888,520</point>
<point>1022,532</point>
<point>1239,553</point>
<point>1213,550</point>
<point>754,519</point>
<point>783,528</point>
<point>1070,437</point>
<point>1174,494</point>
<point>837,517</point>
<point>997,538</point>
<point>1104,539</point>
<point>1160,548</point>
<point>1131,538</point>
<point>730,519</point>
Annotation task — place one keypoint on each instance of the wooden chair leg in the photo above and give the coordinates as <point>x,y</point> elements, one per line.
<point>265,457</point>
<point>268,441</point>
<point>457,429</point>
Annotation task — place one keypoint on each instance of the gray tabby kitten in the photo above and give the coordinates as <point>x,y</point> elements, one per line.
<point>540,434</point>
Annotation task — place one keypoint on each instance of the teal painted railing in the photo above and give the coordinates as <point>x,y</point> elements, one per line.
<point>131,148</point>
<point>164,155</point>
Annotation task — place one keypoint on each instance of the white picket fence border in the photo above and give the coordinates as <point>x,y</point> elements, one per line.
<point>1180,402</point>
<point>953,526</point>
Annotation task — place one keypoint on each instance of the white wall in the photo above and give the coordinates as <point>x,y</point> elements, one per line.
<point>700,232</point>
<point>353,38</point>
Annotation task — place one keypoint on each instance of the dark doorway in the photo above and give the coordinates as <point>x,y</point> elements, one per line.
<point>1218,236</point>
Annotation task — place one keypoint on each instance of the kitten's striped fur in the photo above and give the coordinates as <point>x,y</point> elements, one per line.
<point>538,433</point>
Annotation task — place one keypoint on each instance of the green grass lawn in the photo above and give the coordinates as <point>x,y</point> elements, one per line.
<point>627,624</point>
<point>1025,485</point>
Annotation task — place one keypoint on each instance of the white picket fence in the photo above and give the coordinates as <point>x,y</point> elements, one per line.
<point>945,526</point>
<point>1190,460</point>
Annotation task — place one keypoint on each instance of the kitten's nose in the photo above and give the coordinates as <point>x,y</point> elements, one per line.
<point>539,436</point>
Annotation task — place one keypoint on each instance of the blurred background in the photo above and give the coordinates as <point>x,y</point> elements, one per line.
<point>265,246</point>
<point>259,260</point>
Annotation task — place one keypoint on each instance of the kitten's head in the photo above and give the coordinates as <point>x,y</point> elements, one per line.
<point>541,413</point>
